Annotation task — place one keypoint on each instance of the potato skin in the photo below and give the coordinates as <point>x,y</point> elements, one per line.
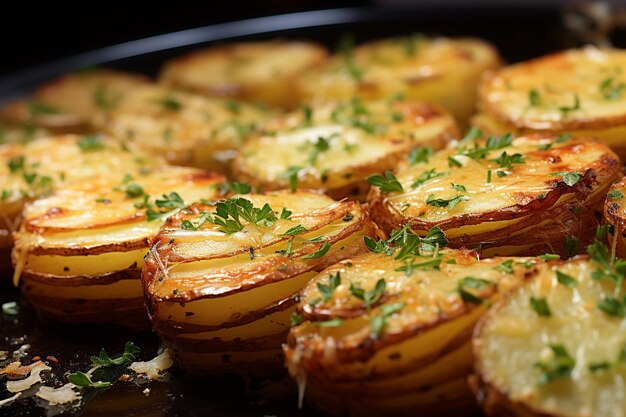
<point>615,216</point>
<point>264,71</point>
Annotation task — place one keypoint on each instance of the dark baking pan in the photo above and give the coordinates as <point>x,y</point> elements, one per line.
<point>519,32</point>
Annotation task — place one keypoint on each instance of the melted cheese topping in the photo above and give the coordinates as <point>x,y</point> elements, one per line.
<point>241,64</point>
<point>100,212</point>
<point>514,338</point>
<point>41,166</point>
<point>524,183</point>
<point>341,143</point>
<point>165,120</point>
<point>542,93</point>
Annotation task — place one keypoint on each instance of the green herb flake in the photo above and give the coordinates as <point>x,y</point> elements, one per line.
<point>534,99</point>
<point>569,178</point>
<point>296,230</point>
<point>11,308</point>
<point>559,366</point>
<point>318,253</point>
<point>90,143</point>
<point>83,380</point>
<point>129,355</point>
<point>615,194</point>
<point>565,279</point>
<point>540,305</point>
<point>326,290</point>
<point>387,183</point>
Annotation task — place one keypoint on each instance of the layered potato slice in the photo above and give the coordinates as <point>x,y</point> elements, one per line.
<point>438,70</point>
<point>188,129</point>
<point>333,147</point>
<point>505,195</point>
<point>80,251</point>
<point>263,71</point>
<point>389,332</point>
<point>221,280</point>
<point>68,104</point>
<point>615,215</point>
<point>579,91</point>
<point>556,346</point>
<point>35,169</point>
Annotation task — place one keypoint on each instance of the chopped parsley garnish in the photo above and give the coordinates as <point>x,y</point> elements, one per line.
<point>569,178</point>
<point>235,188</point>
<point>411,43</point>
<point>387,183</point>
<point>296,319</point>
<point>540,305</point>
<point>452,162</point>
<point>408,242</point>
<point>233,106</point>
<point>506,161</point>
<point>488,176</point>
<point>334,280</point>
<point>104,99</point>
<point>369,297</point>
<point>90,143</point>
<point>318,253</point>
<point>296,230</point>
<point>83,380</point>
<point>292,176</point>
<point>10,309</point>
<point>492,143</point>
<point>610,89</point>
<point>549,257</point>
<point>285,213</point>
<point>559,366</point>
<point>534,99</point>
<point>409,267</point>
<point>308,115</point>
<point>170,103</point>
<point>573,107</point>
<point>565,279</point>
<point>37,108</point>
<point>506,266</point>
<point>379,322</point>
<point>169,203</point>
<point>133,190</point>
<point>572,245</point>
<point>418,155</point>
<point>16,163</point>
<point>346,46</point>
<point>615,194</point>
<point>129,355</point>
<point>459,187</point>
<point>230,213</point>
<point>329,323</point>
<point>426,176</point>
<point>612,306</point>
<point>471,135</point>
<point>449,203</point>
<point>321,145</point>
<point>472,283</point>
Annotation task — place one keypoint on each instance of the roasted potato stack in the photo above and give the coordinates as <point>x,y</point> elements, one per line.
<point>68,104</point>
<point>503,195</point>
<point>221,280</point>
<point>264,72</point>
<point>389,332</point>
<point>80,251</point>
<point>188,129</point>
<point>615,215</point>
<point>556,346</point>
<point>579,91</point>
<point>333,147</point>
<point>438,70</point>
<point>32,170</point>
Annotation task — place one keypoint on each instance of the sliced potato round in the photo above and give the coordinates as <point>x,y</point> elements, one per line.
<point>35,169</point>
<point>80,251</point>
<point>438,70</point>
<point>68,104</point>
<point>615,215</point>
<point>256,71</point>
<point>333,147</point>
<point>390,331</point>
<point>556,346</point>
<point>577,91</point>
<point>221,280</point>
<point>188,129</point>
<point>526,195</point>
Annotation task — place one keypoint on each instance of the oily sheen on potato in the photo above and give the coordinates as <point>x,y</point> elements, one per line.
<point>78,253</point>
<point>37,168</point>
<point>333,147</point>
<point>503,195</point>
<point>188,129</point>
<point>221,280</point>
<point>437,70</point>
<point>556,346</point>
<point>389,331</point>
<point>264,71</point>
<point>579,91</point>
